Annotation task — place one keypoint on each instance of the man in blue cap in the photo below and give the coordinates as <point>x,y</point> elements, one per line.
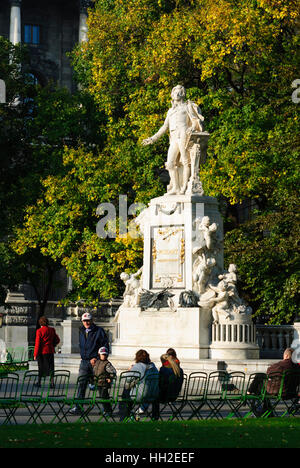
<point>91,338</point>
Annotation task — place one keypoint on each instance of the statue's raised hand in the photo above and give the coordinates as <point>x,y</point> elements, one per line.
<point>147,141</point>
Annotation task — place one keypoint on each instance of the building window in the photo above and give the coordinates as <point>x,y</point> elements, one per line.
<point>31,34</point>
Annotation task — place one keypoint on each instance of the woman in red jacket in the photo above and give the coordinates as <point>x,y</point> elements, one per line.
<point>45,341</point>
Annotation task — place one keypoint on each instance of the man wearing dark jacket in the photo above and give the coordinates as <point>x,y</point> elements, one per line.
<point>274,380</point>
<point>273,385</point>
<point>91,339</point>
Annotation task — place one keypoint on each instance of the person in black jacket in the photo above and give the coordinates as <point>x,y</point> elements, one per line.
<point>91,338</point>
<point>170,380</point>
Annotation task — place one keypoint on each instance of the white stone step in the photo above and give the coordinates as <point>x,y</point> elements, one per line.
<point>71,362</point>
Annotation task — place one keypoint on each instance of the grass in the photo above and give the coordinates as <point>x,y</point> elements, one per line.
<point>250,433</point>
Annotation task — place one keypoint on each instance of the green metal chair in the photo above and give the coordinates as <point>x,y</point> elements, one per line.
<point>16,357</point>
<point>19,354</point>
<point>146,398</point>
<point>33,395</point>
<point>215,393</point>
<point>9,397</point>
<point>273,393</point>
<point>234,392</point>
<point>29,354</point>
<point>84,404</point>
<point>5,368</point>
<point>126,394</point>
<point>173,404</point>
<point>254,394</point>
<point>195,395</point>
<point>57,394</point>
<point>291,392</point>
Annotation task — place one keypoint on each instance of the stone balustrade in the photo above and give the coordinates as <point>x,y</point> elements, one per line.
<point>234,333</point>
<point>274,339</point>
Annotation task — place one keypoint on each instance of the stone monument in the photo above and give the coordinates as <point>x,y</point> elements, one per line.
<point>182,294</point>
<point>19,320</point>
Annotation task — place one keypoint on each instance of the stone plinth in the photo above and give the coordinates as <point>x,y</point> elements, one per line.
<point>171,237</point>
<point>71,335</point>
<point>185,329</point>
<point>234,339</point>
<point>18,320</point>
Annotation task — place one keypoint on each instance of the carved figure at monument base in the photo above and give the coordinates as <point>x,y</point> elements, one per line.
<point>132,288</point>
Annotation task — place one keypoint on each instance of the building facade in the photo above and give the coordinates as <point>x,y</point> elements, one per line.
<point>50,29</point>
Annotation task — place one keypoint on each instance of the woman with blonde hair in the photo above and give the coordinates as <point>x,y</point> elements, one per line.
<point>169,362</point>
<point>170,380</point>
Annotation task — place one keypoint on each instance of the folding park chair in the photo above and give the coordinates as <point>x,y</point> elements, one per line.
<point>9,397</point>
<point>194,397</point>
<point>5,368</point>
<point>17,359</point>
<point>57,393</point>
<point>174,402</point>
<point>147,398</point>
<point>29,354</point>
<point>33,395</point>
<point>19,354</point>
<point>273,393</point>
<point>85,404</point>
<point>291,392</point>
<point>10,364</point>
<point>254,394</point>
<point>234,391</point>
<point>9,354</point>
<point>215,393</point>
<point>178,405</point>
<point>126,393</point>
<point>102,403</point>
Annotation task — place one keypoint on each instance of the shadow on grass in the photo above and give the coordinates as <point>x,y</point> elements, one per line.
<point>250,433</point>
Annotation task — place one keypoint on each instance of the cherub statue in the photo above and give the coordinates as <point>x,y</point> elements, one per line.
<point>230,278</point>
<point>132,288</point>
<point>207,234</point>
<point>202,270</point>
<point>221,301</point>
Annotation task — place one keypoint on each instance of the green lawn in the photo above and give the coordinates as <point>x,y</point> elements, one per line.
<point>248,433</point>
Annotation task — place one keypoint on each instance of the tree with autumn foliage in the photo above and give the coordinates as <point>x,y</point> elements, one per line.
<point>237,59</point>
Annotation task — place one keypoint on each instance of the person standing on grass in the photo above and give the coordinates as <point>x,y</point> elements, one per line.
<point>45,342</point>
<point>91,338</point>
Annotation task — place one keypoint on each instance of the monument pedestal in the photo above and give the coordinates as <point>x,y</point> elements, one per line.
<point>234,339</point>
<point>170,226</point>
<point>184,287</point>
<point>70,335</point>
<point>187,329</point>
<point>19,329</point>
<point>171,238</point>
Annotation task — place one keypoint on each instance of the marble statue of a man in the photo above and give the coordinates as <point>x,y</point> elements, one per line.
<point>183,118</point>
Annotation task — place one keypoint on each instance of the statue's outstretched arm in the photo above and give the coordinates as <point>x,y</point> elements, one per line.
<point>161,131</point>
